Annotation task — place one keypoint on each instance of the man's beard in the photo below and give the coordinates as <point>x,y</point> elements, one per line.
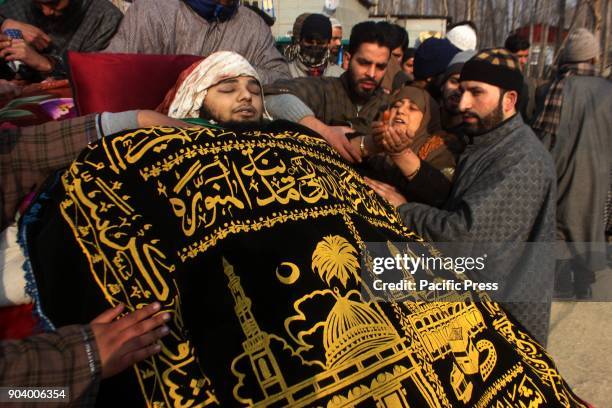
<point>238,126</point>
<point>452,107</point>
<point>67,22</point>
<point>362,94</point>
<point>483,125</point>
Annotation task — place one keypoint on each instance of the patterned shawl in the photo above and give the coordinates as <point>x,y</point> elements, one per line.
<point>548,120</point>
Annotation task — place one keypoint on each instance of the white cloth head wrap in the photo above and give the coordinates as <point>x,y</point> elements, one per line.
<point>190,90</point>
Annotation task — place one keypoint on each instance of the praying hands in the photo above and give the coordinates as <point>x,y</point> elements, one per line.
<point>392,139</point>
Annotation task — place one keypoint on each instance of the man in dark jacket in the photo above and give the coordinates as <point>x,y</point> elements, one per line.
<point>503,194</point>
<point>52,27</point>
<point>519,46</point>
<point>335,107</point>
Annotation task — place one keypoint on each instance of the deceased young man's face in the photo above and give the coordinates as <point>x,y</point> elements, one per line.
<point>234,100</point>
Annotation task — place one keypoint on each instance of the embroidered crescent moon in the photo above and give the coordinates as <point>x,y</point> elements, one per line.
<point>292,277</point>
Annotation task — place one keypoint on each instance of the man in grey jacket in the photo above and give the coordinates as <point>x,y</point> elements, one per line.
<point>575,125</point>
<point>200,27</point>
<point>503,194</point>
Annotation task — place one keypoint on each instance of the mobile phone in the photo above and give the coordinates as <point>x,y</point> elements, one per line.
<point>13,33</point>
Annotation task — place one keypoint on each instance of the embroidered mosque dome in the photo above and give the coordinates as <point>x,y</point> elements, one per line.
<point>353,329</point>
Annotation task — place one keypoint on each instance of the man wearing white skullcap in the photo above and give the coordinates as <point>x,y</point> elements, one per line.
<point>463,36</point>
<point>336,39</point>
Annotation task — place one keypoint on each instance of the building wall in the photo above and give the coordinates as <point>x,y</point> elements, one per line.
<point>419,28</point>
<point>348,12</point>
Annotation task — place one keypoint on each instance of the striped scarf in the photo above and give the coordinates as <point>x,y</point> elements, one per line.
<point>548,120</point>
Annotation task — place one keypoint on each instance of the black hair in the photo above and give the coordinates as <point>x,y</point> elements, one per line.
<point>403,35</point>
<point>408,53</point>
<point>515,43</point>
<point>368,32</point>
<point>464,22</point>
<point>396,35</point>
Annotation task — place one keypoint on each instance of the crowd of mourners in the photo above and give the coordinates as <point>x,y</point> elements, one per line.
<point>457,138</point>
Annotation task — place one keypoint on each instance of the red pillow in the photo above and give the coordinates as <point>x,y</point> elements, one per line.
<point>118,82</point>
<point>17,322</point>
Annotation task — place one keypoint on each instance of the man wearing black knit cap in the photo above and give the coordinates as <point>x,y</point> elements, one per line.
<point>430,61</point>
<point>503,196</point>
<point>313,54</point>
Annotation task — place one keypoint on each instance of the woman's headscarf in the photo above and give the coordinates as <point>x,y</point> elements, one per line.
<point>187,96</point>
<point>431,143</point>
<point>430,124</point>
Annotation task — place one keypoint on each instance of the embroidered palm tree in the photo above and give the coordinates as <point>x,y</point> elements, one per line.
<point>335,257</point>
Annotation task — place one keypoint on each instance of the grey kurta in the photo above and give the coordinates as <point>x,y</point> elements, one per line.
<point>582,154</point>
<point>504,192</point>
<point>172,27</point>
